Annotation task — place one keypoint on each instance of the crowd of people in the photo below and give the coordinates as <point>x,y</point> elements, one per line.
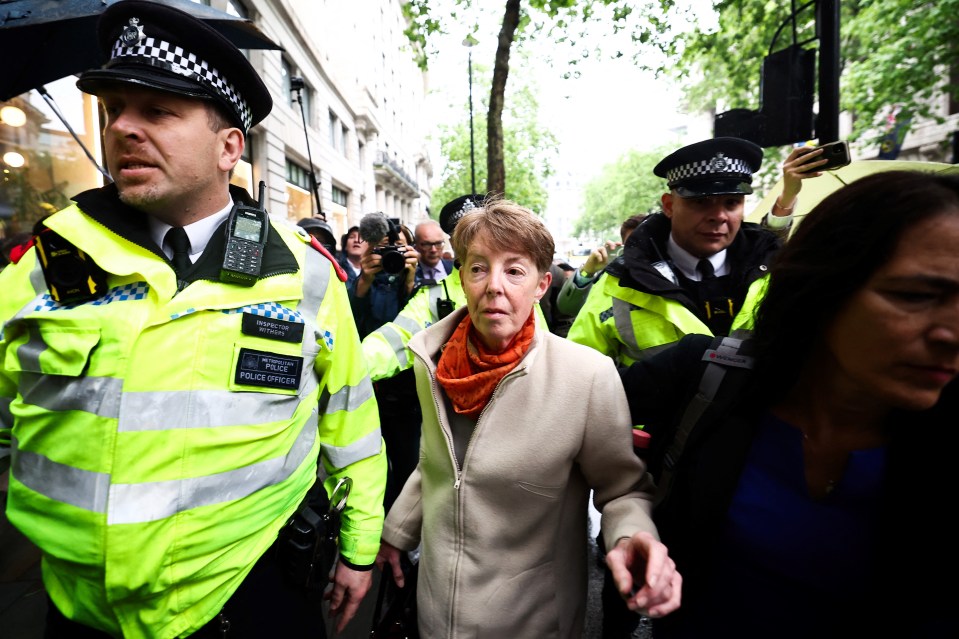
<point>196,401</point>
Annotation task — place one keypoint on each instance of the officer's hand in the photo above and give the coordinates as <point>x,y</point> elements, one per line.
<point>645,575</point>
<point>390,554</point>
<point>801,164</point>
<point>349,588</point>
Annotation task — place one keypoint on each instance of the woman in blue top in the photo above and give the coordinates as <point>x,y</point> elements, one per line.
<point>811,500</point>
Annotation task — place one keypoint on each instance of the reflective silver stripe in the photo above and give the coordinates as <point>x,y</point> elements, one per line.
<point>412,326</point>
<point>342,456</point>
<point>348,398</point>
<point>139,503</point>
<point>96,395</point>
<point>316,279</point>
<point>396,343</point>
<point>29,353</point>
<point>169,410</point>
<point>59,482</point>
<point>624,326</point>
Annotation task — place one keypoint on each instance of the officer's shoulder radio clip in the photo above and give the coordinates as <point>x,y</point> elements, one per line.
<point>246,232</point>
<point>71,275</point>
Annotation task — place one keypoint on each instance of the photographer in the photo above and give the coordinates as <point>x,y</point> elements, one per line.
<point>387,273</point>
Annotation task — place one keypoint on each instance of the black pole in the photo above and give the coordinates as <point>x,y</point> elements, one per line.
<point>472,157</point>
<point>297,85</point>
<point>827,123</point>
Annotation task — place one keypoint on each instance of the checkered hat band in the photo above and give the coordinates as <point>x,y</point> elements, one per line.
<point>164,55</point>
<point>709,168</point>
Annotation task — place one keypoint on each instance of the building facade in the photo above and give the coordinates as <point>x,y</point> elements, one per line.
<point>348,98</point>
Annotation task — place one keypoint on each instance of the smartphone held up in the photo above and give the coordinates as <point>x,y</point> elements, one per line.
<point>836,155</point>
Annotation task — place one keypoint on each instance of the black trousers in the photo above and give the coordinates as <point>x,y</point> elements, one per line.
<point>264,605</point>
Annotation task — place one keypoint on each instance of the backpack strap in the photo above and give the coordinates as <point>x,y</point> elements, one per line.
<point>722,357</point>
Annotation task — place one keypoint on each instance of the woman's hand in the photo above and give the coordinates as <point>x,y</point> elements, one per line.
<point>645,575</point>
<point>800,164</point>
<point>390,554</point>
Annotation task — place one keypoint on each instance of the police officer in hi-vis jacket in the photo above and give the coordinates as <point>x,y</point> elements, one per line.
<point>176,371</point>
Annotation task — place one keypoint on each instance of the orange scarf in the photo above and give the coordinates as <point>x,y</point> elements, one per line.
<point>469,372</point>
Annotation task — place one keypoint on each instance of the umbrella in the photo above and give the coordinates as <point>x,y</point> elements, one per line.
<point>814,190</point>
<point>45,40</point>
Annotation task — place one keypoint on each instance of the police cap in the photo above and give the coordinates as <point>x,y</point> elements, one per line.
<point>455,209</point>
<point>719,166</point>
<point>153,45</point>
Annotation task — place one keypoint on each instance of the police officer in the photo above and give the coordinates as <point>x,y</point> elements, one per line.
<point>165,423</point>
<point>695,268</point>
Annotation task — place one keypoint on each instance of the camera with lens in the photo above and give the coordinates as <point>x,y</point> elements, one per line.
<point>393,258</point>
<point>297,83</point>
<point>373,228</point>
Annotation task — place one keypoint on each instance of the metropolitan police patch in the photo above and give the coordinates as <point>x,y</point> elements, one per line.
<point>270,370</point>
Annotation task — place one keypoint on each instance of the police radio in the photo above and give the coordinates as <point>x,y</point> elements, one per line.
<point>246,231</point>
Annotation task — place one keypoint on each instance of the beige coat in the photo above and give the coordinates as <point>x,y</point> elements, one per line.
<point>504,537</point>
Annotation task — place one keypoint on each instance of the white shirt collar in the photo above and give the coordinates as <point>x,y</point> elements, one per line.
<point>199,232</point>
<point>686,262</point>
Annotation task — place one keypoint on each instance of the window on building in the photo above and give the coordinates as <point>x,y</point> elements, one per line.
<point>41,165</point>
<point>299,203</point>
<point>344,136</point>
<point>339,196</point>
<point>334,128</point>
<point>361,159</point>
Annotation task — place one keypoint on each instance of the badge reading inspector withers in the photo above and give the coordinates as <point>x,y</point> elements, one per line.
<point>246,231</point>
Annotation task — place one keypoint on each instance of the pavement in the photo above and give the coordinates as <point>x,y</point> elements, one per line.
<point>23,603</point>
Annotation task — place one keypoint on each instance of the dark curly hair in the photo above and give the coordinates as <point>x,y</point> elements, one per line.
<point>831,255</point>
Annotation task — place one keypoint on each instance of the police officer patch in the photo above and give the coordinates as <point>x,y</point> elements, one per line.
<point>258,368</point>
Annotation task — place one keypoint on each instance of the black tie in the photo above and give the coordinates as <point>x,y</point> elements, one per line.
<point>180,243</point>
<point>705,269</point>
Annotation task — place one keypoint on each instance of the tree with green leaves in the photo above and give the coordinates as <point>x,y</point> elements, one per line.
<point>552,19</point>
<point>529,151</point>
<point>622,189</point>
<point>895,56</point>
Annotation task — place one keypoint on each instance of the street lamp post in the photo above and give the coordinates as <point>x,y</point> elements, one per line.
<point>469,42</point>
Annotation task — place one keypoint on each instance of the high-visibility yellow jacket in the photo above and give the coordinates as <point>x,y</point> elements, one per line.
<point>160,439</point>
<point>386,349</point>
<point>633,310</point>
<point>630,325</point>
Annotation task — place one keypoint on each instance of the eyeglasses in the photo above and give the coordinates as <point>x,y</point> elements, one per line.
<point>429,245</point>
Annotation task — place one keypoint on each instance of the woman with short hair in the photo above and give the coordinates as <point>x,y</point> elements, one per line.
<point>518,426</point>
